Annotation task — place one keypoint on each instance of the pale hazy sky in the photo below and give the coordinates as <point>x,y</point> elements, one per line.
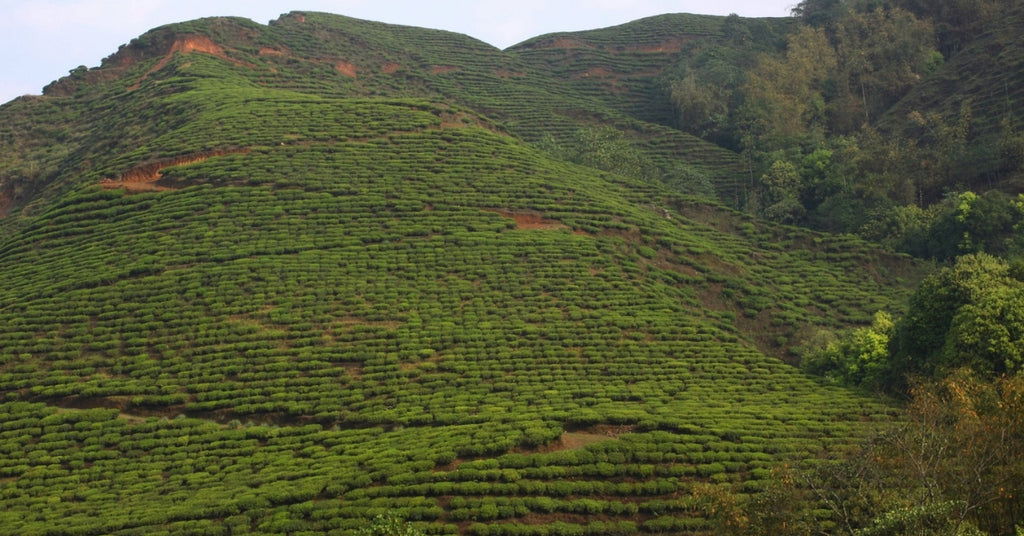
<point>41,40</point>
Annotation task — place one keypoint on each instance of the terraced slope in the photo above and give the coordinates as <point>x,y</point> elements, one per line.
<point>527,89</point>
<point>249,303</point>
<point>630,67</point>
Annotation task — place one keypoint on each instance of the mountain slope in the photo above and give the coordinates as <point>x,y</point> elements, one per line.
<point>246,299</point>
<point>981,87</point>
<point>525,89</point>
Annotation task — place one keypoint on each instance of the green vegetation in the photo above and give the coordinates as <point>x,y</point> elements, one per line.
<point>340,277</point>
<point>952,466</point>
<point>880,113</point>
<point>404,333</point>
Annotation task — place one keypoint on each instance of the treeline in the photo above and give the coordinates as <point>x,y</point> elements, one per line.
<point>831,145</point>
<point>950,467</point>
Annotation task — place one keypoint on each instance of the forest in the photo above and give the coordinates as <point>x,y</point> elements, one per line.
<point>685,275</point>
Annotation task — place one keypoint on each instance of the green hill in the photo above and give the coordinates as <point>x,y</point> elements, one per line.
<point>281,279</point>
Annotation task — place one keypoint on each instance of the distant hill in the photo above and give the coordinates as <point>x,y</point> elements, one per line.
<point>282,279</point>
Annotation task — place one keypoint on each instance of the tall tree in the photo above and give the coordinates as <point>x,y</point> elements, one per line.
<point>703,107</point>
<point>881,54</point>
<point>819,13</point>
<point>953,465</point>
<point>785,104</point>
<point>956,21</point>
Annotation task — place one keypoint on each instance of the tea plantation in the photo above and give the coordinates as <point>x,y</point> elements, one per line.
<point>240,305</point>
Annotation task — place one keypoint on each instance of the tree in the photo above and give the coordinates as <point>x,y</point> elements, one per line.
<point>779,193</point>
<point>989,332</point>
<point>952,465</point>
<point>702,107</point>
<point>880,55</point>
<point>691,181</point>
<point>962,444</point>
<point>957,22</point>
<point>970,314</point>
<point>819,12</point>
<point>860,357</point>
<point>948,152</point>
<point>785,105</point>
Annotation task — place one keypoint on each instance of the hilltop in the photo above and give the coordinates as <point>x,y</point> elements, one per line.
<point>281,279</point>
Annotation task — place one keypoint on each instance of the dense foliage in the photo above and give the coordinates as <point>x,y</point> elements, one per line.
<point>876,115</point>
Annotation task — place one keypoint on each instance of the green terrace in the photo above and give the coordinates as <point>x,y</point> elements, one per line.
<point>325,309</point>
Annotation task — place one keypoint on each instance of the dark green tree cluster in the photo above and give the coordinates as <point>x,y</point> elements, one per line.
<point>968,315</point>
<point>832,145</point>
<point>813,106</point>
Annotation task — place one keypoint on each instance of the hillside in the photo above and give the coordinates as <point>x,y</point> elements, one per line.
<point>983,84</point>
<point>276,279</point>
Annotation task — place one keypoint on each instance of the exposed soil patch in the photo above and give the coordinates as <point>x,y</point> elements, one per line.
<point>120,403</point>
<point>529,220</point>
<point>144,177</point>
<point>188,45</point>
<point>353,370</point>
<point>346,69</point>
<point>267,51</point>
<point>567,43</point>
<point>6,201</point>
<point>389,67</point>
<point>578,438</point>
<point>441,69</point>
<point>463,120</point>
<point>599,72</point>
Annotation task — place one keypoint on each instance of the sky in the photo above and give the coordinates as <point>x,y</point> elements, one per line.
<point>41,40</point>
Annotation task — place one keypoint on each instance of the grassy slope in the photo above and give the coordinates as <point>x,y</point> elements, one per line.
<point>359,299</point>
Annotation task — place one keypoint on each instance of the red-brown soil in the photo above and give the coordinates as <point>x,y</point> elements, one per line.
<point>267,51</point>
<point>529,220</point>
<point>144,177</point>
<point>599,72</point>
<point>346,69</point>
<point>188,45</point>
<point>674,44</point>
<point>5,203</point>
<point>575,439</point>
<point>567,43</point>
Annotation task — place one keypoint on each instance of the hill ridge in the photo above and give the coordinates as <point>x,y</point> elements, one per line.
<point>282,299</point>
